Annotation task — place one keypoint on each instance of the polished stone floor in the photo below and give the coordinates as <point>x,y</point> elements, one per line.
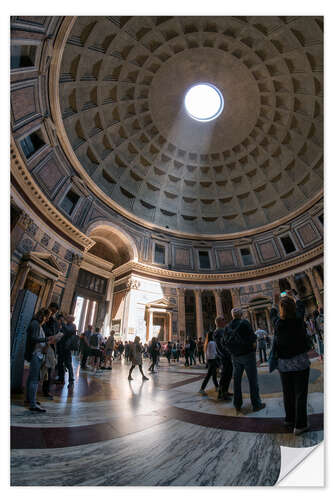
<point>109,431</point>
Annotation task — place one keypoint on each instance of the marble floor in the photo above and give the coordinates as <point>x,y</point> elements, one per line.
<point>112,432</point>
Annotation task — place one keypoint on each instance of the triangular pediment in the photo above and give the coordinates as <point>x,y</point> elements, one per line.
<point>163,302</point>
<point>44,258</point>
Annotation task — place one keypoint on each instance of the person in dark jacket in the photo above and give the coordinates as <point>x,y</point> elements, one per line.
<point>51,328</point>
<point>223,360</point>
<point>291,346</point>
<point>36,345</point>
<point>64,351</point>
<point>193,346</point>
<point>241,341</point>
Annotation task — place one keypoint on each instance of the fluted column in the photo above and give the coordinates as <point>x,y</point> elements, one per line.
<point>83,315</point>
<point>276,292</point>
<point>292,282</point>
<point>218,302</point>
<point>71,284</point>
<point>235,294</point>
<point>88,316</point>
<point>108,308</point>
<point>181,313</point>
<point>312,279</point>
<point>269,326</point>
<point>19,283</point>
<point>198,311</point>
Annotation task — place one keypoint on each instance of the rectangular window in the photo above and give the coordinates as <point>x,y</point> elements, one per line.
<point>69,202</point>
<point>32,143</point>
<point>288,244</point>
<point>246,256</point>
<point>159,254</point>
<point>204,259</point>
<point>22,56</point>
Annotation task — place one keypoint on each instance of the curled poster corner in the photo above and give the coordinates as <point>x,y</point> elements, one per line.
<point>299,470</point>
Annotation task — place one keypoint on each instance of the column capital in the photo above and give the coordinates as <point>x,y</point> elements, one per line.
<point>180,291</point>
<point>197,291</point>
<point>77,259</point>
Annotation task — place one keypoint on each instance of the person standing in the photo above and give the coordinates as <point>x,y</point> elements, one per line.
<point>291,346</point>
<point>109,346</point>
<point>240,340</point>
<point>153,350</point>
<point>193,346</point>
<point>136,358</point>
<point>261,336</point>
<point>211,355</point>
<point>86,348</point>
<point>51,328</point>
<point>223,360</point>
<point>36,347</point>
<point>65,347</point>
<point>200,347</point>
<point>95,348</point>
<point>168,352</point>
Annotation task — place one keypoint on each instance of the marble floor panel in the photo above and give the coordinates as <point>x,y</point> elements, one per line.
<point>158,432</point>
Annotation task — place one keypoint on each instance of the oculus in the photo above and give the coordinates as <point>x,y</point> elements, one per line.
<point>204,102</point>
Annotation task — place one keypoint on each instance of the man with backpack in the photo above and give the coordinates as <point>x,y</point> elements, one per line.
<point>223,360</point>
<point>95,348</point>
<point>240,340</point>
<point>66,345</point>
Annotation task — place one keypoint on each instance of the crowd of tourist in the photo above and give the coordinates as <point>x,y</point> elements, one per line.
<point>226,352</point>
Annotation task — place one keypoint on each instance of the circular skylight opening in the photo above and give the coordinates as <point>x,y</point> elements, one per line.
<point>204,102</point>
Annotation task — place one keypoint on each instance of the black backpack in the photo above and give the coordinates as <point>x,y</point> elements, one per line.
<point>233,340</point>
<point>72,343</point>
<point>94,340</point>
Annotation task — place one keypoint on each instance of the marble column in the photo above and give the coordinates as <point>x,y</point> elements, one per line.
<point>276,292</point>
<point>88,320</point>
<point>19,283</point>
<point>292,282</point>
<point>151,325</point>
<point>269,326</point>
<point>312,279</point>
<point>181,314</point>
<point>83,316</point>
<point>169,322</point>
<point>198,313</point>
<point>218,302</point>
<point>235,294</point>
<point>71,284</point>
<point>51,290</point>
<point>45,293</point>
<point>108,298</point>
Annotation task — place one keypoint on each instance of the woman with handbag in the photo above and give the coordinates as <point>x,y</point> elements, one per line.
<point>289,353</point>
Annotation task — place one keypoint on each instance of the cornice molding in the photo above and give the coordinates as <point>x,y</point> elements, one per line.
<point>59,46</point>
<point>41,202</point>
<point>296,264</point>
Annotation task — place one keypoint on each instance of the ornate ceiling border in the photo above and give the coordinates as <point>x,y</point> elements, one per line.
<point>40,201</point>
<point>59,46</point>
<point>270,272</point>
